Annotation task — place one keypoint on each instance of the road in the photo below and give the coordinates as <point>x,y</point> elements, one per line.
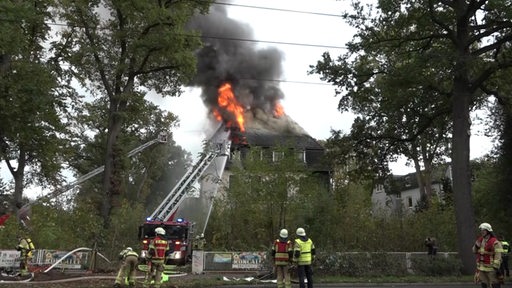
<point>378,285</point>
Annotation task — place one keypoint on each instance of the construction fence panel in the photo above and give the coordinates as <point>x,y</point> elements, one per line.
<point>45,257</point>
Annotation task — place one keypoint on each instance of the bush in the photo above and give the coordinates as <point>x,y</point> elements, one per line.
<point>438,265</point>
<point>361,264</point>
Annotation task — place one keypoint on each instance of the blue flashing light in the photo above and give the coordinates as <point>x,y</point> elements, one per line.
<point>179,220</point>
<point>148,219</point>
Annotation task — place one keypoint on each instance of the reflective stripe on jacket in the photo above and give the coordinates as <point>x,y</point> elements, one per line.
<point>282,252</point>
<point>305,248</point>
<point>489,254</point>
<point>160,246</point>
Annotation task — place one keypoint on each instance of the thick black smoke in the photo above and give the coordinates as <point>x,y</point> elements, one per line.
<point>251,71</point>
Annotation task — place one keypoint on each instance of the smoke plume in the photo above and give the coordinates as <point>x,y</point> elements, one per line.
<point>252,72</point>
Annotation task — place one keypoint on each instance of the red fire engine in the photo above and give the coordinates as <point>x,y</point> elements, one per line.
<point>180,231</point>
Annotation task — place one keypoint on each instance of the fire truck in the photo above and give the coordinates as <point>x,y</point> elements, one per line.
<point>179,225</point>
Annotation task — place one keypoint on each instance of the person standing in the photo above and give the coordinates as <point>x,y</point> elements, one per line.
<point>26,248</point>
<point>431,244</point>
<point>303,255</point>
<point>488,249</point>
<point>504,257</point>
<point>282,253</point>
<point>130,260</point>
<point>157,251</point>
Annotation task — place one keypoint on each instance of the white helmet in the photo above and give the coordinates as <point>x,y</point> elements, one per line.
<point>300,232</point>
<point>129,249</point>
<point>160,231</point>
<point>485,226</point>
<point>283,233</point>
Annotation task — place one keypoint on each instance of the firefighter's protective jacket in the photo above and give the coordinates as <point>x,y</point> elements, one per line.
<point>25,246</point>
<point>488,250</point>
<point>127,252</point>
<point>282,251</point>
<point>157,250</point>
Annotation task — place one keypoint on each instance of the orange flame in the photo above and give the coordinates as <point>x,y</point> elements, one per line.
<point>278,110</point>
<point>229,103</point>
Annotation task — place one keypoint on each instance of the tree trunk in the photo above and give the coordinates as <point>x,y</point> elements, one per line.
<point>19,177</point>
<point>112,178</point>
<point>464,212</point>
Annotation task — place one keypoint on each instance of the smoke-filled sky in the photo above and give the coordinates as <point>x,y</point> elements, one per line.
<point>273,55</point>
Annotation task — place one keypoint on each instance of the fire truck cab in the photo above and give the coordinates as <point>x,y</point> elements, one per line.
<point>176,232</point>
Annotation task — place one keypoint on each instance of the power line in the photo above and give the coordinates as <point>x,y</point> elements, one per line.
<point>273,42</point>
<point>278,9</point>
<point>217,37</point>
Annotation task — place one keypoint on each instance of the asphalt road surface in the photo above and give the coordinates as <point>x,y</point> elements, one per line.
<point>377,285</point>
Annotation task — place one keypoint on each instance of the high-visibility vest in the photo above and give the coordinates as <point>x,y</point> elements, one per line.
<point>305,248</point>
<point>506,248</point>
<point>282,249</point>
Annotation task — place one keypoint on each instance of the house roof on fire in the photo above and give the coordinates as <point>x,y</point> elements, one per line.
<point>266,139</point>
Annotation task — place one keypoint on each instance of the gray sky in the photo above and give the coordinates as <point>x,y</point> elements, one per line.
<point>312,106</point>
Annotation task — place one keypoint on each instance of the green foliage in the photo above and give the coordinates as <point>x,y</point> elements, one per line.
<point>360,264</point>
<point>412,73</point>
<point>32,129</point>
<point>439,265</point>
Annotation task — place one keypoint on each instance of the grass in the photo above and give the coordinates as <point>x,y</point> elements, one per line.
<point>216,280</point>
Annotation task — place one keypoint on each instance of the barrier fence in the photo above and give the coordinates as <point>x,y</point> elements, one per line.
<point>44,257</point>
<point>202,261</point>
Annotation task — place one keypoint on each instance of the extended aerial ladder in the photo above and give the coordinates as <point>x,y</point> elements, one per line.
<point>23,213</point>
<point>218,145</point>
<point>178,231</point>
<point>162,138</point>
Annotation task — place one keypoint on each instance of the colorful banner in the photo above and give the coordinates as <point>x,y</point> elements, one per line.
<point>248,260</point>
<point>222,258</point>
<point>9,258</point>
<point>43,257</point>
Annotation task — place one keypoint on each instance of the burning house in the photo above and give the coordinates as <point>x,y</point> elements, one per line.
<point>240,87</point>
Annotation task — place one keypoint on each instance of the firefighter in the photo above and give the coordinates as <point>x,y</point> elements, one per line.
<point>303,255</point>
<point>504,257</point>
<point>126,273</point>
<point>26,248</point>
<point>157,251</point>
<point>488,249</point>
<point>199,242</point>
<point>282,252</point>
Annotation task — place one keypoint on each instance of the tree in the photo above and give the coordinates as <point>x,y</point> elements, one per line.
<point>119,50</point>
<point>465,42</point>
<point>33,97</point>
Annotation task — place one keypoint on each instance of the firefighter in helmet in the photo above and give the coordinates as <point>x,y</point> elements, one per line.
<point>303,255</point>
<point>488,250</point>
<point>282,253</point>
<point>157,251</point>
<point>126,273</point>
<point>26,248</point>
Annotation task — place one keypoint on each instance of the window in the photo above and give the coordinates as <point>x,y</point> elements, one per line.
<point>409,202</point>
<point>277,156</point>
<point>301,156</point>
